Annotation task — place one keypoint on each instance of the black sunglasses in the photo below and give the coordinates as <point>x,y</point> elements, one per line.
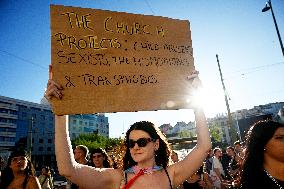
<point>141,142</point>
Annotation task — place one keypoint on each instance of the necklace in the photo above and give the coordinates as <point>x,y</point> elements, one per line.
<point>273,179</point>
<point>135,169</point>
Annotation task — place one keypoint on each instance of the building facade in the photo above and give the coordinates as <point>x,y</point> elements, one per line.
<point>89,123</point>
<point>30,126</point>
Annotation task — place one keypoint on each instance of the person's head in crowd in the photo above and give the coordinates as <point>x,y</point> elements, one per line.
<point>230,151</point>
<point>100,159</point>
<point>145,142</point>
<point>264,148</point>
<point>18,164</point>
<point>1,162</point>
<point>45,171</point>
<point>209,154</point>
<point>81,153</point>
<point>281,115</point>
<point>174,156</point>
<point>19,161</point>
<point>217,152</point>
<point>238,146</point>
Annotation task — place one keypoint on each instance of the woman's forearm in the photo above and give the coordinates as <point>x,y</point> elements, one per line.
<point>63,150</point>
<point>82,175</point>
<point>202,130</point>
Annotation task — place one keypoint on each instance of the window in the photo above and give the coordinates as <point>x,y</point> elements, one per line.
<point>40,140</point>
<point>13,112</point>
<point>40,148</point>
<point>3,110</point>
<point>49,141</point>
<point>48,148</point>
<point>3,120</point>
<point>2,102</point>
<point>35,109</point>
<point>42,117</point>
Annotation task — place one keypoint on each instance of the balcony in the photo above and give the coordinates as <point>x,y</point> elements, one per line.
<point>6,144</point>
<point>11,116</point>
<point>9,107</point>
<point>8,134</point>
<point>8,125</point>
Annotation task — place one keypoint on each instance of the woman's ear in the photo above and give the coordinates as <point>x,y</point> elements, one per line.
<point>157,144</point>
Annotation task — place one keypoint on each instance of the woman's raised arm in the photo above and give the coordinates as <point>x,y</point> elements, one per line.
<point>82,175</point>
<point>183,169</point>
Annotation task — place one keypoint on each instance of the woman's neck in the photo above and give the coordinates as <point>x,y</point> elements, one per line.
<point>146,164</point>
<point>274,167</point>
<point>19,173</point>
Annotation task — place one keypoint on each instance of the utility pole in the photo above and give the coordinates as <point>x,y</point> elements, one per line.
<point>226,96</point>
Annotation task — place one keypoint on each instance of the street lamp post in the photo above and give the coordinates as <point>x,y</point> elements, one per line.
<point>268,6</point>
<point>30,137</point>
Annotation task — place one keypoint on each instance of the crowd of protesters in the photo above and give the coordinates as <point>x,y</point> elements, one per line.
<point>258,162</point>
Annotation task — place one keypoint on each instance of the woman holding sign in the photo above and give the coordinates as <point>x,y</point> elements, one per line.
<point>146,161</point>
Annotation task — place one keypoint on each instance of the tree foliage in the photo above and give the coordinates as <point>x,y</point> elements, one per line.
<point>93,141</point>
<point>216,135</point>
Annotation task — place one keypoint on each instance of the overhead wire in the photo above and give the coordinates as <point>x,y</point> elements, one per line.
<point>149,6</point>
<point>24,60</point>
<point>247,71</point>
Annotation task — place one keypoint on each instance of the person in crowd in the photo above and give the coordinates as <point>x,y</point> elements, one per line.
<point>199,180</point>
<point>19,173</point>
<point>80,155</point>
<point>46,179</point>
<point>100,159</point>
<point>1,165</point>
<point>146,160</point>
<point>235,162</point>
<point>174,159</point>
<point>225,161</point>
<point>208,161</point>
<point>174,156</point>
<point>280,116</point>
<point>217,173</point>
<point>239,149</point>
<point>263,165</point>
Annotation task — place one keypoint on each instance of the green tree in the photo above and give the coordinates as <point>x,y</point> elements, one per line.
<point>216,134</point>
<point>93,141</point>
<point>185,134</point>
<point>233,134</point>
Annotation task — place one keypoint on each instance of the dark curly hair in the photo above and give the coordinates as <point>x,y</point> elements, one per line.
<point>256,139</point>
<point>107,160</point>
<point>162,155</point>
<point>8,176</point>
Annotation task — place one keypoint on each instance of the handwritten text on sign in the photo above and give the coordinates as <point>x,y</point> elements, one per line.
<point>112,61</point>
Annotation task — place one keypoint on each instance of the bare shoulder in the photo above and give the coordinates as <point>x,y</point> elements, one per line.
<point>118,174</point>
<point>117,177</point>
<point>33,183</point>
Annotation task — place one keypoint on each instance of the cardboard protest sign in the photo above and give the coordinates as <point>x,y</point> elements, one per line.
<point>116,62</point>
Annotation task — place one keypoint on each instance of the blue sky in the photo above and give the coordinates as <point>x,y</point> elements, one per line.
<point>244,38</point>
